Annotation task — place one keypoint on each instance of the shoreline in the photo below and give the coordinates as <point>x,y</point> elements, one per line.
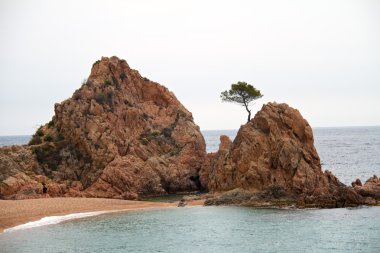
<point>14,213</point>
<point>30,213</point>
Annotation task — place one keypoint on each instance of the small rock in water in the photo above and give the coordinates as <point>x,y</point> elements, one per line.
<point>182,203</point>
<point>357,182</point>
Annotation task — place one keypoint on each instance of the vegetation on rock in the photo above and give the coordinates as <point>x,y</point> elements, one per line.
<point>241,93</point>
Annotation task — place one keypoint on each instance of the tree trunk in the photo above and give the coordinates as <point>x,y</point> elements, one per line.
<point>249,112</point>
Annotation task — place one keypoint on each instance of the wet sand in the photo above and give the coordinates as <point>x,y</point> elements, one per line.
<point>17,212</point>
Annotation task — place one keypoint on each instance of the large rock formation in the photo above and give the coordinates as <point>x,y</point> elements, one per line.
<point>273,155</point>
<point>123,136</point>
<point>119,136</point>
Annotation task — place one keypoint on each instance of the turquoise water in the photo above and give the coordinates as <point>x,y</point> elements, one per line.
<point>208,229</point>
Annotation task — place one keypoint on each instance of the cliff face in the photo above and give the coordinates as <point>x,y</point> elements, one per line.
<point>119,136</point>
<point>274,154</point>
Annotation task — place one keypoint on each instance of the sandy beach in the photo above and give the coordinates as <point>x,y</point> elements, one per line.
<point>17,212</point>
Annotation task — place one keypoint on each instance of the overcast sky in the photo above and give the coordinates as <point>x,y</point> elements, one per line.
<point>321,57</point>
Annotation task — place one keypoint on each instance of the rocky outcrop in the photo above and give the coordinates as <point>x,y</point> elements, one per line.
<point>274,156</point>
<point>22,176</point>
<point>123,136</point>
<point>119,136</point>
<point>371,188</point>
<point>18,169</point>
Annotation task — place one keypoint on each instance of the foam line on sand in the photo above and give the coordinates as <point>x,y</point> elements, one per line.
<point>50,220</point>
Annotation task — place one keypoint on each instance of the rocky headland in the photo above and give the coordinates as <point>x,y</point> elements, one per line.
<point>273,162</point>
<point>123,136</point>
<point>119,136</point>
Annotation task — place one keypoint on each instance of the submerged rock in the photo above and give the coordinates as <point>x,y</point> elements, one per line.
<point>119,136</point>
<point>182,203</point>
<point>274,156</point>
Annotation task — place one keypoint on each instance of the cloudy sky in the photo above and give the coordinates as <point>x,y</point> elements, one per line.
<point>321,57</point>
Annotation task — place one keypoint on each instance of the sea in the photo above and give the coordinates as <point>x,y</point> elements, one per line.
<point>349,152</point>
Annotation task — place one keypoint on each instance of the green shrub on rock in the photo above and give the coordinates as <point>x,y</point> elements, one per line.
<point>48,138</point>
<point>40,132</point>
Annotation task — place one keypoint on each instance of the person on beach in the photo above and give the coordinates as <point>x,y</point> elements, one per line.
<point>44,190</point>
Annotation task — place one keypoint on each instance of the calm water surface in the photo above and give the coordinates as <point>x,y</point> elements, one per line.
<point>350,153</point>
<point>208,229</point>
<point>14,140</point>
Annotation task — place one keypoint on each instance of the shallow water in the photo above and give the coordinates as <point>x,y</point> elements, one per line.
<point>208,229</point>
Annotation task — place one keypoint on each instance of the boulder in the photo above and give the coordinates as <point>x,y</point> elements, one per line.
<point>357,182</point>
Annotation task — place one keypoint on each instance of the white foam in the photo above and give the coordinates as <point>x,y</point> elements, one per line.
<point>50,220</point>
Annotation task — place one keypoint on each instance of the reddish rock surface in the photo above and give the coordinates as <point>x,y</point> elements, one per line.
<point>371,188</point>
<point>357,182</point>
<point>275,153</point>
<point>22,176</point>
<point>119,136</point>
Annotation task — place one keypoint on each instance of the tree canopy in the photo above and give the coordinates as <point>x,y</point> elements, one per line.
<point>241,93</point>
